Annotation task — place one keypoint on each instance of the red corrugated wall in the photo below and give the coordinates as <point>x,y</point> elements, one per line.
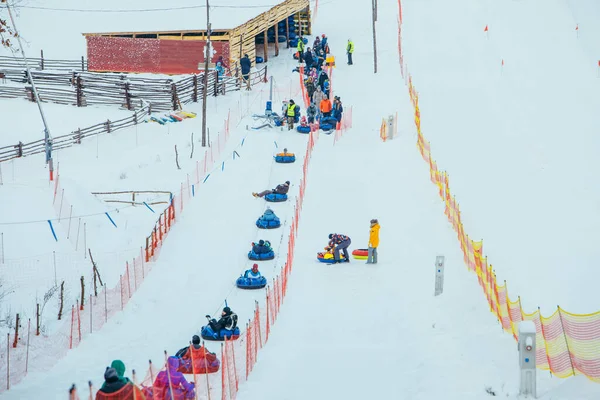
<point>116,54</point>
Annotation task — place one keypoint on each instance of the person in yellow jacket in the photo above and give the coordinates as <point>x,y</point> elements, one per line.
<point>373,242</point>
<point>300,49</point>
<point>349,51</point>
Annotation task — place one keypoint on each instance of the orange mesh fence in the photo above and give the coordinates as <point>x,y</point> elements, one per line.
<point>78,320</point>
<point>567,344</point>
<point>238,357</point>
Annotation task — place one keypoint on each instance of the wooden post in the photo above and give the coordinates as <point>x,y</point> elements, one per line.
<point>287,33</point>
<point>61,300</point>
<point>276,39</point>
<point>82,293</point>
<point>174,96</point>
<point>205,80</point>
<point>216,85</point>
<point>79,91</point>
<point>127,96</point>
<point>37,319</point>
<point>195,92</point>
<point>266,46</point>
<point>16,333</point>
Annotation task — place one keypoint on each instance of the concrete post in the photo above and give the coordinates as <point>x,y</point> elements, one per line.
<point>439,275</point>
<point>527,362</point>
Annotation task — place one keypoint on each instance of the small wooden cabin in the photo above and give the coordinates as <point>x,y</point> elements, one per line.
<point>182,51</point>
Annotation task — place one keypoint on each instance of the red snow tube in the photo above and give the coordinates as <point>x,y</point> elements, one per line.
<point>360,254</point>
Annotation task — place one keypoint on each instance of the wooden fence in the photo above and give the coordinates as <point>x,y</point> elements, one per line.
<point>81,88</point>
<point>60,142</point>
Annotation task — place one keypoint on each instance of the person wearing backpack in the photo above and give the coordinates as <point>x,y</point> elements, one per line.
<point>227,321</point>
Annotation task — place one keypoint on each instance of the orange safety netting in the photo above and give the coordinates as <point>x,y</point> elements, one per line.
<point>79,320</point>
<point>567,344</point>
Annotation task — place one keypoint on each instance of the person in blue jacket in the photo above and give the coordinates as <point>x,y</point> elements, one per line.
<point>338,109</point>
<point>220,69</point>
<point>245,64</point>
<point>253,273</point>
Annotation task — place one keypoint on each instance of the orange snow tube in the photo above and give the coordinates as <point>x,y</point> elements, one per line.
<point>360,254</point>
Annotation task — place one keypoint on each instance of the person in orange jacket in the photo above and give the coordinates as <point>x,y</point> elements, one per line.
<point>373,242</point>
<point>325,107</point>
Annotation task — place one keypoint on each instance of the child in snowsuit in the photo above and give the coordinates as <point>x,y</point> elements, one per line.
<point>253,273</point>
<point>341,243</point>
<point>373,242</point>
<point>172,384</point>
<point>279,189</point>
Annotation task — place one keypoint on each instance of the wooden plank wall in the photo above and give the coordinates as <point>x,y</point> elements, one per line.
<point>246,33</point>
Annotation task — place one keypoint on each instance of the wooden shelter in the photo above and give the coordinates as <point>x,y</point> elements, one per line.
<point>182,51</point>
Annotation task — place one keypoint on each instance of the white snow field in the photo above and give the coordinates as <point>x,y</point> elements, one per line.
<point>353,331</point>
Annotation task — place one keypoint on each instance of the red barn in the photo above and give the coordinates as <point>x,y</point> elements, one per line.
<point>182,52</point>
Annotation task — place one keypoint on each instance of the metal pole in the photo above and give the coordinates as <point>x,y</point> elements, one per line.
<point>207,53</point>
<point>47,136</point>
<point>374,37</point>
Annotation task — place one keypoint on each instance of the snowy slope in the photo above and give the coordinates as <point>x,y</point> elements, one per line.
<point>203,255</point>
<point>518,141</point>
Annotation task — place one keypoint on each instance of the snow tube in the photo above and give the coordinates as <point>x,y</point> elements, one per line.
<point>329,120</point>
<point>201,366</point>
<point>285,158</point>
<point>303,129</point>
<point>360,254</point>
<point>261,257</point>
<point>276,197</point>
<point>259,60</point>
<point>327,258</point>
<point>251,283</point>
<point>208,334</point>
<point>326,127</point>
<point>268,222</point>
<point>126,392</point>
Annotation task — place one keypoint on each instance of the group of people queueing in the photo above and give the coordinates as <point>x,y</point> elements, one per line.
<point>340,243</point>
<point>317,85</point>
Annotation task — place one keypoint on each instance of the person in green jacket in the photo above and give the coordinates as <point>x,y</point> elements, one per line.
<point>300,49</point>
<point>350,50</point>
<point>119,366</point>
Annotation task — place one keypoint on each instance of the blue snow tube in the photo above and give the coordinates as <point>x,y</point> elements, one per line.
<point>303,129</point>
<point>329,120</point>
<point>268,223</point>
<point>285,159</point>
<point>208,334</point>
<point>259,60</point>
<point>261,257</point>
<point>251,283</point>
<point>326,127</point>
<point>276,197</point>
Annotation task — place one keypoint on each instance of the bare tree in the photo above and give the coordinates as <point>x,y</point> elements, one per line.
<point>7,33</point>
